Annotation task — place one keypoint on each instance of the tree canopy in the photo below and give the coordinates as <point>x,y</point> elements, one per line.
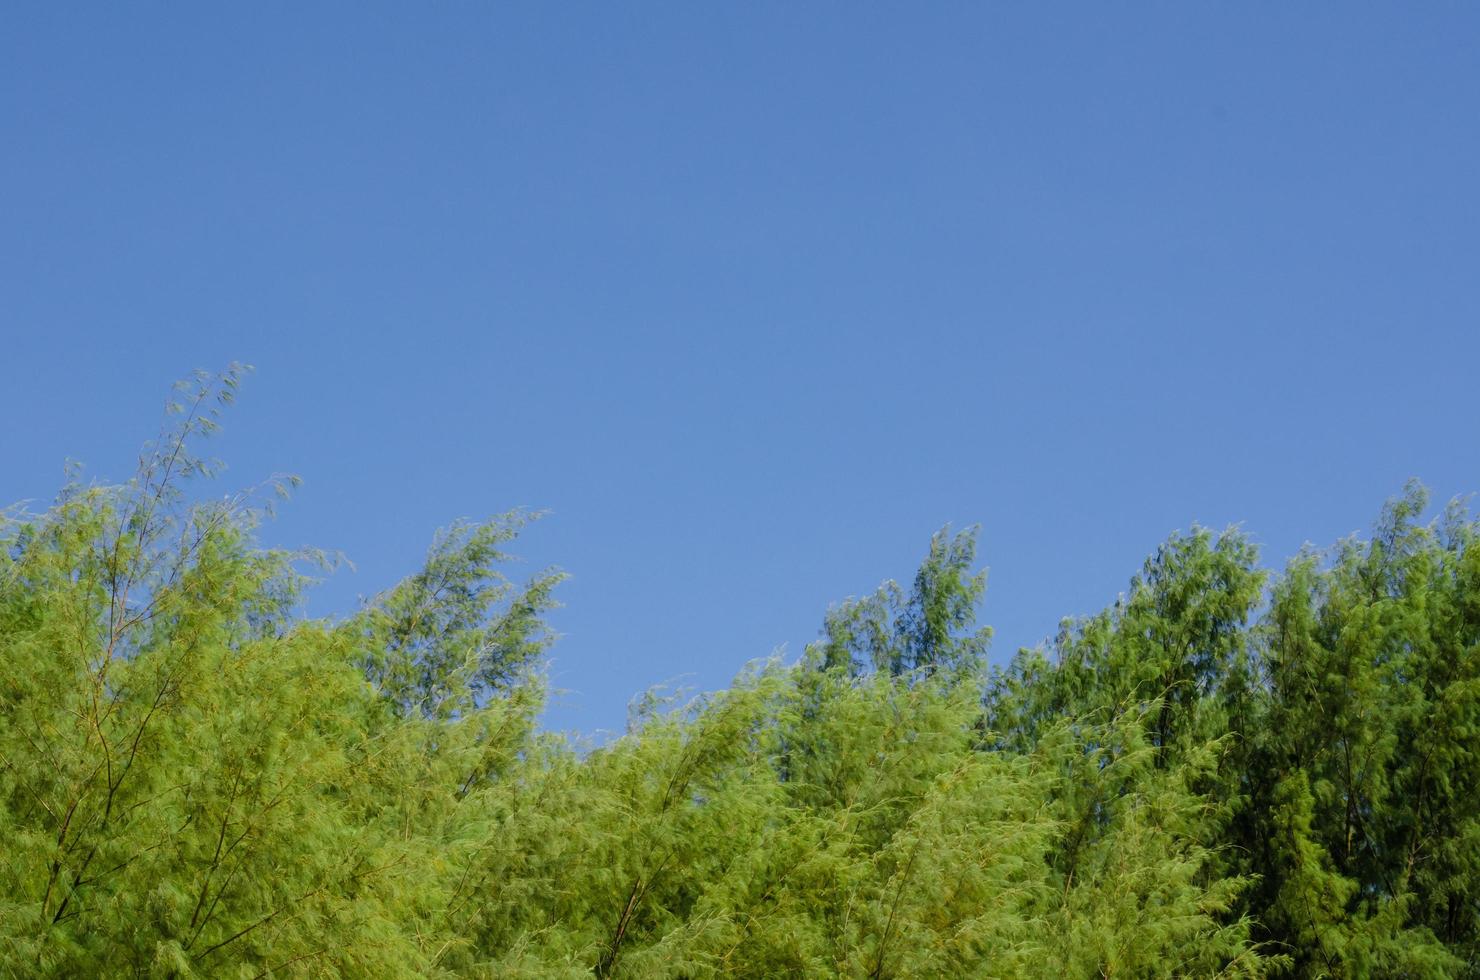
<point>1225,773</point>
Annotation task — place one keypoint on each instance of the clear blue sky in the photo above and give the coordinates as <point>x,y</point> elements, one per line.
<point>754,297</point>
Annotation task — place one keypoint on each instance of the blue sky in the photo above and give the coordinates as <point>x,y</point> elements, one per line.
<point>754,297</point>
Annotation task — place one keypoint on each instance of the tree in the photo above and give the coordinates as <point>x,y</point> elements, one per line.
<point>932,628</point>
<point>184,763</point>
<point>1215,776</point>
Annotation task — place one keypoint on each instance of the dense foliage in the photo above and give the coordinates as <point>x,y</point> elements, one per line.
<point>1222,774</point>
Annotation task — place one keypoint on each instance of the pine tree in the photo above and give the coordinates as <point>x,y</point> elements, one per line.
<point>1216,776</point>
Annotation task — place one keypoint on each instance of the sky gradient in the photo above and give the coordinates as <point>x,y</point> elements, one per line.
<point>753,298</point>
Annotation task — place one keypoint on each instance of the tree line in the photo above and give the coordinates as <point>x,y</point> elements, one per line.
<point>1225,773</point>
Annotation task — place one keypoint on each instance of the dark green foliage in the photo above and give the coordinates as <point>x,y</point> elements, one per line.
<point>1370,754</point>
<point>1343,726</point>
<point>1217,776</point>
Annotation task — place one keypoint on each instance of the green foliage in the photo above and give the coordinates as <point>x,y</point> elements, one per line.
<point>1372,750</point>
<point>1341,729</point>
<point>1217,776</point>
<point>457,632</point>
<point>932,628</point>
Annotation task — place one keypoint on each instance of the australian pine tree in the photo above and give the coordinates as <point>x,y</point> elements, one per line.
<point>1224,773</point>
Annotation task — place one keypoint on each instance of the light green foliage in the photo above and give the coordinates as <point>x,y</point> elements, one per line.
<point>457,632</point>
<point>1211,778</point>
<point>933,628</point>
